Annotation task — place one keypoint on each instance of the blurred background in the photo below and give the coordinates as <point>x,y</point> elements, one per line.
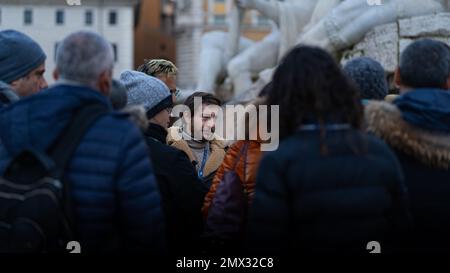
<point>137,29</point>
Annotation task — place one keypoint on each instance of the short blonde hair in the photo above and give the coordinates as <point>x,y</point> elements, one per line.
<point>156,67</point>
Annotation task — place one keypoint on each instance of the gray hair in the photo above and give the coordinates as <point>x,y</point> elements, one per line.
<point>83,56</point>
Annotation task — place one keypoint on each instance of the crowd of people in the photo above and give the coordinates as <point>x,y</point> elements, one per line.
<point>355,163</point>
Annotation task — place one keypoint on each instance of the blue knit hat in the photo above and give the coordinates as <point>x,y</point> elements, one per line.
<point>147,91</point>
<point>19,55</point>
<point>369,76</point>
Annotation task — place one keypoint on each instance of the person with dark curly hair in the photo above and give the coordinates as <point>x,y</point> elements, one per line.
<point>329,188</point>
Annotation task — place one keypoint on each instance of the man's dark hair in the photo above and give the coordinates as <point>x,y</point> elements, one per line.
<point>425,64</point>
<point>207,98</point>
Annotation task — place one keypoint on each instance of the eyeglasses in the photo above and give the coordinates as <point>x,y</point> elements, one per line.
<point>175,91</point>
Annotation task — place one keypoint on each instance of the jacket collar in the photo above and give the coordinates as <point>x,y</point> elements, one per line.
<point>157,132</point>
<point>174,138</point>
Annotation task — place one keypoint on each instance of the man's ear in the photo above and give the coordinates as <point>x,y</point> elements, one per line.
<point>55,74</point>
<point>104,83</point>
<point>397,78</point>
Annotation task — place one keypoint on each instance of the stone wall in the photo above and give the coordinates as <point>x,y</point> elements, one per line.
<point>385,43</point>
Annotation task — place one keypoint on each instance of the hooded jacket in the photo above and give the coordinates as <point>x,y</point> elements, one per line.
<point>417,127</point>
<point>114,194</point>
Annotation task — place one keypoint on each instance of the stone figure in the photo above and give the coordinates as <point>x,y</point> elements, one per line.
<point>249,58</point>
<point>349,21</point>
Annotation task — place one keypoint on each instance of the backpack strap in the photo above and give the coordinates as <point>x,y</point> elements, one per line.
<point>64,147</point>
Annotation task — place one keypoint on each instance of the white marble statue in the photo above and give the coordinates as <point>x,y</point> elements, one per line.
<point>348,22</point>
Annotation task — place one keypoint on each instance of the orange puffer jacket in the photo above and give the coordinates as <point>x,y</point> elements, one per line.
<point>253,158</point>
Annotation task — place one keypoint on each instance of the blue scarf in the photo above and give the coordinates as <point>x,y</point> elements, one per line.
<point>428,109</point>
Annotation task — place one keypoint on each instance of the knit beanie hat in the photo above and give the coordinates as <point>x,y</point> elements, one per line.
<point>147,91</point>
<point>19,55</point>
<point>369,76</point>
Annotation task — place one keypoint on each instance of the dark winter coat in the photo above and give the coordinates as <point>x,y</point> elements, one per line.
<point>310,202</point>
<point>181,191</point>
<point>114,194</point>
<point>417,128</point>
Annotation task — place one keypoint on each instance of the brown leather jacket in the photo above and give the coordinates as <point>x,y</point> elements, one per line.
<point>253,157</point>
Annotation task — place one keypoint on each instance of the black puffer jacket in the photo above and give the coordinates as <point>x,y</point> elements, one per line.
<point>306,202</point>
<point>181,192</point>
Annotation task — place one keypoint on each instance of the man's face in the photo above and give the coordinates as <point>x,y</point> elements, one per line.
<point>30,84</point>
<point>171,82</point>
<point>204,122</point>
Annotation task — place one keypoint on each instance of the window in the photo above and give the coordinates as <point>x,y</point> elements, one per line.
<point>88,18</point>
<point>114,46</point>
<point>220,19</point>
<point>28,17</point>
<point>113,18</point>
<point>59,17</point>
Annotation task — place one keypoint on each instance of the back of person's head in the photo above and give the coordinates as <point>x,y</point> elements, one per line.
<point>207,99</point>
<point>87,58</point>
<point>157,67</point>
<point>310,87</point>
<point>369,77</point>
<point>19,55</point>
<point>424,64</point>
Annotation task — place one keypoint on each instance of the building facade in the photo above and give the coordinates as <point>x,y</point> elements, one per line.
<point>48,22</point>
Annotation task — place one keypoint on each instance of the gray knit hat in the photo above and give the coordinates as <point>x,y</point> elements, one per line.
<point>369,76</point>
<point>147,91</point>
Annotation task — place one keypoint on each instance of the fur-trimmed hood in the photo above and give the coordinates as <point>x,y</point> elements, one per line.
<point>386,121</point>
<point>215,159</point>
